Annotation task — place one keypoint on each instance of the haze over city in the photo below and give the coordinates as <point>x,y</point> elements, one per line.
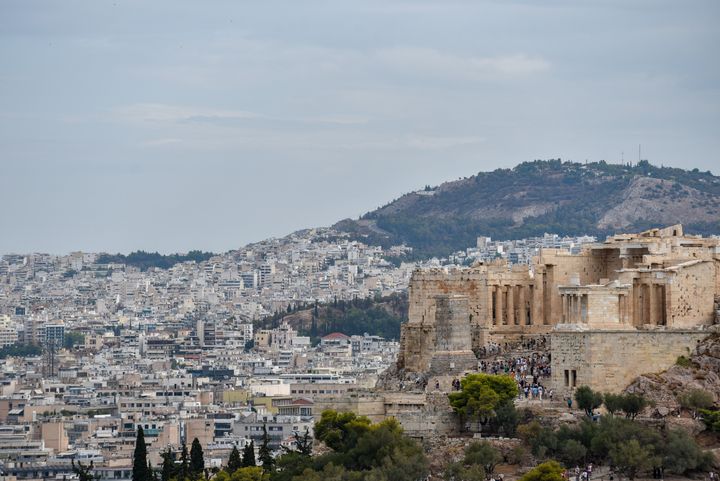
<point>182,125</point>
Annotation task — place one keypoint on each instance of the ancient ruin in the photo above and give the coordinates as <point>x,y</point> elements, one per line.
<point>613,311</point>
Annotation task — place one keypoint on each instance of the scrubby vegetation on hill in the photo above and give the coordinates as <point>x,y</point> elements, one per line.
<point>145,260</point>
<point>379,316</point>
<point>566,198</point>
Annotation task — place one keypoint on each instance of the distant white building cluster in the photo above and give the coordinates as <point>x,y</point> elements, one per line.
<point>519,251</point>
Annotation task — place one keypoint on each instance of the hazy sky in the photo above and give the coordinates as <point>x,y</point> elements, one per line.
<point>173,125</point>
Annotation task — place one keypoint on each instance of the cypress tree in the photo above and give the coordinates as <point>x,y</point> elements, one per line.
<point>249,455</point>
<point>264,452</point>
<point>234,461</point>
<point>152,475</point>
<point>140,463</point>
<point>183,471</point>
<point>197,461</point>
<point>84,473</point>
<point>168,465</point>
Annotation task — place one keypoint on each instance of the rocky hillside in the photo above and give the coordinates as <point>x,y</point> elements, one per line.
<point>700,371</point>
<point>380,316</point>
<point>544,196</point>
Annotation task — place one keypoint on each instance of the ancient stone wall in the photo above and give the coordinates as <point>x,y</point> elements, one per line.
<point>363,403</point>
<point>692,292</point>
<point>420,414</point>
<point>608,361</point>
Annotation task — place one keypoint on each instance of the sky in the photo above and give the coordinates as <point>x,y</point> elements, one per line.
<point>174,125</point>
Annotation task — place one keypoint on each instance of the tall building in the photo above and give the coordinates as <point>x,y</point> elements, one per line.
<point>8,331</point>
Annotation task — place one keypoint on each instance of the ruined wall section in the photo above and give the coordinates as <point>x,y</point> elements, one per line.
<point>692,294</point>
<point>607,361</point>
<point>425,285</point>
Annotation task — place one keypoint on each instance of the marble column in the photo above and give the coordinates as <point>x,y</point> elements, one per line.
<point>511,305</point>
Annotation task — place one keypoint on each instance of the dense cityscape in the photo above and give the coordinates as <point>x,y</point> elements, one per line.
<point>377,240</point>
<point>102,349</point>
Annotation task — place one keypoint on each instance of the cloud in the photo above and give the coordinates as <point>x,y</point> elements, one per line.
<point>161,142</point>
<point>425,142</point>
<point>154,112</point>
<point>164,113</point>
<point>434,62</point>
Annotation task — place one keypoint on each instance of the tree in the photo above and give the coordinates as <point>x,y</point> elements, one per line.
<point>506,418</point>
<point>169,469</point>
<point>248,459</point>
<point>482,453</point>
<point>588,399</point>
<point>248,473</point>
<point>84,473</point>
<point>341,431</point>
<point>140,470</point>
<point>152,475</point>
<point>73,339</point>
<point>234,461</point>
<point>613,402</point>
<point>197,460</point>
<point>458,472</point>
<point>480,395</point>
<point>630,458</point>
<point>304,443</point>
<point>183,470</point>
<point>633,404</point>
<point>362,451</point>
<point>681,454</point>
<point>547,471</point>
<point>695,400</point>
<point>264,453</point>
<point>573,452</point>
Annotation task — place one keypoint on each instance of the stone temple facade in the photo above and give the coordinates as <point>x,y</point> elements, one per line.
<point>633,290</point>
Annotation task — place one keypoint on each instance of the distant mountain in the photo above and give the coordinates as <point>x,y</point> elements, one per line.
<point>566,198</point>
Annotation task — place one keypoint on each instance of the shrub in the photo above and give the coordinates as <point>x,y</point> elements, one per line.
<point>547,471</point>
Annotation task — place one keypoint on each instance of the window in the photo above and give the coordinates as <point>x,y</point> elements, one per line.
<point>567,378</point>
<point>573,377</point>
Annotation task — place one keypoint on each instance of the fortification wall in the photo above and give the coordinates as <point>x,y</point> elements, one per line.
<point>608,361</point>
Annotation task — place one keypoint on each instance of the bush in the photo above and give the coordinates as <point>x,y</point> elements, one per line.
<point>711,419</point>
<point>518,456</point>
<point>631,459</point>
<point>482,453</point>
<point>682,454</point>
<point>572,452</point>
<point>683,361</point>
<point>547,471</point>
<point>696,399</point>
